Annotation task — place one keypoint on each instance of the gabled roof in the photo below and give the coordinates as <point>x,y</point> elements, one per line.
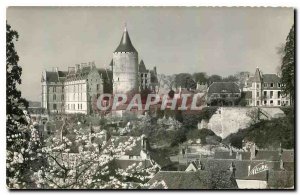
<point>223,87</point>
<point>125,43</point>
<point>179,180</point>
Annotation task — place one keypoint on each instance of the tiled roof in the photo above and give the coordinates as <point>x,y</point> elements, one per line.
<point>179,180</point>
<point>223,87</point>
<point>125,44</point>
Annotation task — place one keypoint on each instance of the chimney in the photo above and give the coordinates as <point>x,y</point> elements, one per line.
<point>56,69</point>
<point>252,151</point>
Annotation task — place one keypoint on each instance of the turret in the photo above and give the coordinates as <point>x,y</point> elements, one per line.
<point>125,66</point>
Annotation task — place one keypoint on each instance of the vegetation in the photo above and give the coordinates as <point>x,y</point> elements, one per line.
<point>267,133</point>
<point>288,66</point>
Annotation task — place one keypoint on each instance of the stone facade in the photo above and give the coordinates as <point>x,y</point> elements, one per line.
<point>74,92</point>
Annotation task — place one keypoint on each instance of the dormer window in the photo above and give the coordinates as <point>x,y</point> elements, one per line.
<point>278,84</point>
<point>271,85</point>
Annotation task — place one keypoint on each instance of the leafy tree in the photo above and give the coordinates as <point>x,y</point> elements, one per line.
<point>230,78</point>
<point>200,77</point>
<point>288,66</point>
<point>214,78</point>
<point>18,132</point>
<point>185,80</point>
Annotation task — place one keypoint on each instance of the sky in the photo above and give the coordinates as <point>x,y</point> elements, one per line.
<point>219,41</point>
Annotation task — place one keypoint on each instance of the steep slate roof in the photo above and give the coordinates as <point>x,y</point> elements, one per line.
<point>142,67</point>
<point>82,73</point>
<point>223,87</point>
<point>271,78</point>
<point>179,180</point>
<point>51,76</point>
<point>125,43</point>
<point>257,76</point>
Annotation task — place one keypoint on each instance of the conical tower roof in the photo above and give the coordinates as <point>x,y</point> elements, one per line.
<point>257,75</point>
<point>125,43</point>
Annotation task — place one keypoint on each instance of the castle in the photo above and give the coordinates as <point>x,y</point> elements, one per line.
<point>76,90</point>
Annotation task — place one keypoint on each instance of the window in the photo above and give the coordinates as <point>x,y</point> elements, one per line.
<point>54,97</point>
<point>271,94</point>
<point>257,86</point>
<point>278,94</point>
<point>265,93</point>
<point>265,102</point>
<point>257,103</point>
<point>265,84</point>
<point>68,106</point>
<point>257,94</point>
<point>271,102</point>
<point>278,84</point>
<point>78,107</point>
<point>97,87</point>
<point>62,97</point>
<point>278,102</point>
<point>54,106</point>
<point>54,89</point>
<point>272,85</point>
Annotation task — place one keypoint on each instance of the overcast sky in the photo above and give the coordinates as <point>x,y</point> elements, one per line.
<point>214,40</point>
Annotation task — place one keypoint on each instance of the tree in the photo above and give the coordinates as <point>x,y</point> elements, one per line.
<point>230,78</point>
<point>288,66</point>
<point>185,80</point>
<point>200,77</point>
<point>76,161</point>
<point>22,137</point>
<point>214,78</point>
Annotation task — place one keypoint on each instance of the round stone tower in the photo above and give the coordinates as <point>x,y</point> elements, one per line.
<point>125,66</point>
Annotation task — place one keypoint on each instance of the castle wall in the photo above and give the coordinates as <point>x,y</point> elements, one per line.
<point>125,71</point>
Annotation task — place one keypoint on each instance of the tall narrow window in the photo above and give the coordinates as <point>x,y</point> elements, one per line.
<point>271,94</point>
<point>278,95</point>
<point>54,97</point>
